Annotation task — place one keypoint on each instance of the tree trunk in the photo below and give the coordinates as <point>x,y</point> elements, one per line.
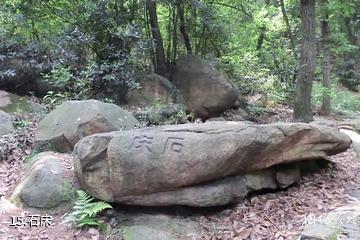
<point>175,37</point>
<point>148,33</point>
<point>288,28</point>
<point>302,103</point>
<point>351,36</point>
<point>326,71</point>
<point>260,40</point>
<point>182,27</point>
<point>159,48</point>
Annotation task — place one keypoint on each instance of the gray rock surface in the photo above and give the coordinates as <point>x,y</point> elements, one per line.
<point>6,126</point>
<point>158,227</point>
<point>48,182</point>
<point>12,103</point>
<point>206,91</point>
<point>62,128</point>
<point>355,138</point>
<point>131,166</point>
<point>154,88</point>
<point>341,223</point>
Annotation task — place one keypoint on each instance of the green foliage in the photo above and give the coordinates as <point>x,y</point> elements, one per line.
<point>86,210</point>
<point>22,123</point>
<point>52,99</point>
<point>161,114</point>
<point>341,98</point>
<point>258,111</point>
<point>104,49</point>
<point>58,77</point>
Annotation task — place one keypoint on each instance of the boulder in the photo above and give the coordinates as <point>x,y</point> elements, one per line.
<point>206,91</point>
<point>6,126</point>
<point>219,192</point>
<point>324,121</point>
<point>355,138</point>
<point>121,166</point>
<point>157,226</point>
<point>12,103</point>
<point>341,223</point>
<point>62,128</point>
<point>154,88</point>
<point>48,182</point>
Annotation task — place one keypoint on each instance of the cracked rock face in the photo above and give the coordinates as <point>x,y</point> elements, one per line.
<point>62,128</point>
<point>191,164</point>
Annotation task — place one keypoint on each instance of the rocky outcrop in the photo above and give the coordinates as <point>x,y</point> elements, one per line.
<point>62,128</point>
<point>206,91</point>
<point>154,88</point>
<point>190,163</point>
<point>48,182</point>
<point>6,126</point>
<point>12,103</point>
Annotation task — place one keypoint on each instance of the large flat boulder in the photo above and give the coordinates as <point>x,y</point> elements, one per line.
<point>119,166</point>
<point>206,91</point>
<point>62,128</point>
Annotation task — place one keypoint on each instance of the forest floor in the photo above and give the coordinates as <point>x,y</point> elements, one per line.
<point>278,215</point>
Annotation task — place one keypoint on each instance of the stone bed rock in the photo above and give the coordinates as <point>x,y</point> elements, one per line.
<point>182,164</point>
<point>62,128</point>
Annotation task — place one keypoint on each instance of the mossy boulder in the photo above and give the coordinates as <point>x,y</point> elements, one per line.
<point>48,183</point>
<point>154,88</point>
<point>71,121</point>
<point>12,103</point>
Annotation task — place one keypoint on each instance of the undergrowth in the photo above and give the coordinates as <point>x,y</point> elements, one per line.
<point>85,211</point>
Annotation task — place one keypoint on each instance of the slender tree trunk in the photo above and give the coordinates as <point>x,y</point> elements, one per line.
<point>148,33</point>
<point>288,28</point>
<point>291,38</point>
<point>183,31</point>
<point>351,36</point>
<point>302,103</point>
<point>175,37</point>
<point>326,71</point>
<point>261,37</point>
<point>169,32</point>
<point>202,36</point>
<point>159,48</point>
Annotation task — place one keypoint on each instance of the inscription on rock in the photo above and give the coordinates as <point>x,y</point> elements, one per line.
<point>144,143</point>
